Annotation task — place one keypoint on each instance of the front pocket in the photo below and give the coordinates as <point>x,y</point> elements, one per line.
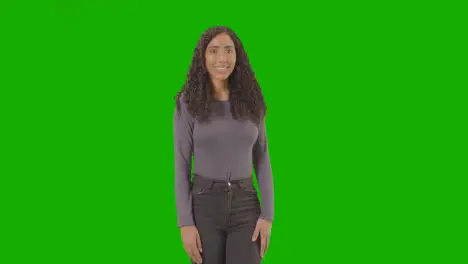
<point>249,189</point>
<point>199,190</point>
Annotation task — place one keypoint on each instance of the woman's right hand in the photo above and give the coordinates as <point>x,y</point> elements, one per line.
<point>192,242</point>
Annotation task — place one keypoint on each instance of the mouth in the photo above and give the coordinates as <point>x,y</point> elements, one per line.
<point>221,68</point>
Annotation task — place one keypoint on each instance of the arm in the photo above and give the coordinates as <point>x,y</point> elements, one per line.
<point>263,172</point>
<point>183,149</point>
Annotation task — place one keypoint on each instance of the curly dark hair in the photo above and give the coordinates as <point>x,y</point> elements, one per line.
<point>245,95</point>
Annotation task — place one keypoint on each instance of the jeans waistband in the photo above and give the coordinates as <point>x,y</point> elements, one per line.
<point>208,182</point>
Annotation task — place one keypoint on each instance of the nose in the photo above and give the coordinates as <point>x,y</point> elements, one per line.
<point>221,57</point>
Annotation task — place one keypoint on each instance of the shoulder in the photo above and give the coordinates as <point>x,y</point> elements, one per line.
<point>181,107</point>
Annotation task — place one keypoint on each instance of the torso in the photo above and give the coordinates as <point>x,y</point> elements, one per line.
<point>223,147</point>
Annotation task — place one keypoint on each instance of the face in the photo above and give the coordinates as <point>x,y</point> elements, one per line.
<point>220,57</point>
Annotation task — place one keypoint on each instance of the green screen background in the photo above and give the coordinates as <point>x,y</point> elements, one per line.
<point>359,144</point>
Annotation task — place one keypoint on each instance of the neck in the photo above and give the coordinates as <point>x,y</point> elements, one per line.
<point>220,89</point>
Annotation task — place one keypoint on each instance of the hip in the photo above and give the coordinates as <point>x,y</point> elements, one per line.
<point>219,198</point>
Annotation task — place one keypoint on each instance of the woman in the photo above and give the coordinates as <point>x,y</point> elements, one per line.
<point>220,120</point>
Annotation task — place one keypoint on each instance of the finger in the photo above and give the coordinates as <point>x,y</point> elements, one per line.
<point>267,244</point>
<point>190,254</point>
<point>188,250</point>
<point>196,255</point>
<point>199,244</point>
<point>255,234</point>
<point>262,245</point>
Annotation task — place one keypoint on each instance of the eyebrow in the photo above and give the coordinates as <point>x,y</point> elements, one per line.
<point>216,46</point>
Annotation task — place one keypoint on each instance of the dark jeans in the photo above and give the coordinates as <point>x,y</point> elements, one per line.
<point>225,215</point>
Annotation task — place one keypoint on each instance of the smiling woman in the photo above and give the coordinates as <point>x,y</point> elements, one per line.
<point>220,121</point>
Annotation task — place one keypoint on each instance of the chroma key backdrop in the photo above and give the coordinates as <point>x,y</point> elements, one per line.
<point>364,128</point>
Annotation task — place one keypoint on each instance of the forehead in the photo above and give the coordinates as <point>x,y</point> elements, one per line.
<point>221,40</point>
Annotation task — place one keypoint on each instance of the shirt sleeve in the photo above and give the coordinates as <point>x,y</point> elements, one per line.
<point>183,150</point>
<point>263,171</point>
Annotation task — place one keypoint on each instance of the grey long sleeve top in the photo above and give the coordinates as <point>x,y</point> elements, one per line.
<point>223,149</point>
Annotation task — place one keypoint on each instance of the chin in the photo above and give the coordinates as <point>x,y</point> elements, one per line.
<point>221,77</point>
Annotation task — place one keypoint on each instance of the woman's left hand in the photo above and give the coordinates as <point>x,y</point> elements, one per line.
<point>263,229</point>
